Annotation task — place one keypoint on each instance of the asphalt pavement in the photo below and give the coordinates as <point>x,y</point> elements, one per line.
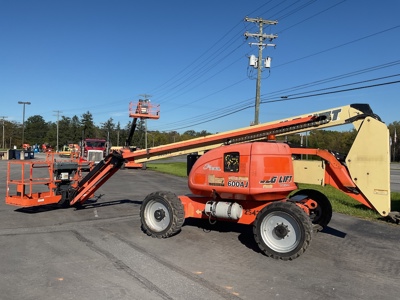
<point>100,252</point>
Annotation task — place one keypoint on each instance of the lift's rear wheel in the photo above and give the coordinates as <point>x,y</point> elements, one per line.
<point>282,230</point>
<point>65,200</point>
<point>162,214</point>
<point>322,214</point>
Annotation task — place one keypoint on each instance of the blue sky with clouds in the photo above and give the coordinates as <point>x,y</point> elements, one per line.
<point>192,58</point>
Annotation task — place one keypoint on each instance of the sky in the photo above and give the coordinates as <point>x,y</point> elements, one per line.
<point>71,57</point>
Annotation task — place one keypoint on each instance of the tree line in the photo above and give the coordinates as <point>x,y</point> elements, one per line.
<point>73,130</point>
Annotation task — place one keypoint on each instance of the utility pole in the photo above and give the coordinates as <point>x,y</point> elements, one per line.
<point>2,118</point>
<point>58,117</point>
<point>146,98</point>
<point>23,119</point>
<point>261,37</point>
<point>394,144</point>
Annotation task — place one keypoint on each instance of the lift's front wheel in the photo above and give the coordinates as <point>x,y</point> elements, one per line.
<point>282,230</point>
<point>161,214</point>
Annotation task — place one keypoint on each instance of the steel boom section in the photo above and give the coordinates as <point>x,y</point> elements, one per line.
<point>316,120</point>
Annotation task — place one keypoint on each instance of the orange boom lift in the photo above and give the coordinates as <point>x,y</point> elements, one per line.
<point>143,110</point>
<point>245,176</point>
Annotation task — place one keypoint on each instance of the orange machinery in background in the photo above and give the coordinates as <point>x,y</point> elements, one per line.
<point>144,109</point>
<point>72,150</point>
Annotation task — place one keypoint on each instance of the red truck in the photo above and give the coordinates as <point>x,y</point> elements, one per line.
<point>94,149</point>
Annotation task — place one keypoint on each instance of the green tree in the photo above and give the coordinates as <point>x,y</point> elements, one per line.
<point>155,138</point>
<point>294,140</point>
<point>87,125</point>
<point>51,135</point>
<point>191,133</point>
<point>203,133</point>
<point>76,130</point>
<point>163,139</point>
<point>36,130</point>
<point>118,134</point>
<point>138,136</point>
<point>394,132</point>
<point>138,139</point>
<point>12,134</point>
<point>64,132</point>
<point>124,133</point>
<point>188,135</point>
<point>108,130</point>
<point>339,141</point>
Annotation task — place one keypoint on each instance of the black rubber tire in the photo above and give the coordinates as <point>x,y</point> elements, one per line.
<point>162,214</point>
<point>322,214</point>
<point>63,203</point>
<point>278,219</point>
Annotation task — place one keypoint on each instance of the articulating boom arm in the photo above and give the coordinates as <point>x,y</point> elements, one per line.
<point>316,120</point>
<point>131,132</point>
<point>96,178</point>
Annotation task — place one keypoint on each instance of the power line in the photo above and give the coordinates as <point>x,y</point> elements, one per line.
<point>362,38</point>
<point>205,63</point>
<point>196,69</point>
<point>343,85</point>
<point>374,34</point>
<point>196,76</point>
<point>334,92</point>
<point>277,5</point>
<point>306,19</point>
<point>245,103</point>
<point>178,80</point>
<point>339,46</point>
<point>202,82</point>
<point>296,10</point>
<point>197,64</point>
<point>244,107</point>
<point>338,77</point>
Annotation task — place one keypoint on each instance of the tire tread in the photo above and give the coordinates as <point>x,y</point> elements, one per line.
<point>304,219</point>
<point>177,216</point>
